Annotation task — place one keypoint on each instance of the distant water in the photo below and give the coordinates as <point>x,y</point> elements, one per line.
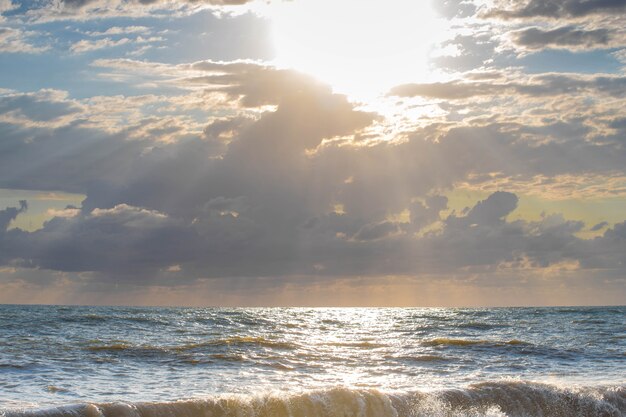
<point>190,362</point>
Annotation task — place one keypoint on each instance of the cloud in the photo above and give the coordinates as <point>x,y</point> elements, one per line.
<point>7,6</point>
<point>17,41</point>
<point>255,83</point>
<point>466,52</point>
<point>254,190</point>
<point>492,210</point>
<point>41,106</point>
<point>9,214</point>
<point>558,187</point>
<point>376,231</point>
<point>425,213</point>
<point>448,90</point>
<point>86,10</point>
<point>599,226</point>
<point>205,174</point>
<point>120,30</point>
<point>84,3</point>
<point>618,232</point>
<point>556,9</point>
<point>86,45</point>
<point>132,244</point>
<point>265,222</point>
<point>540,86</point>
<point>455,8</point>
<point>6,237</point>
<point>115,239</point>
<point>564,37</point>
<point>620,55</point>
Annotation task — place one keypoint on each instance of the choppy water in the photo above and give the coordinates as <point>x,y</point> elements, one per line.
<point>157,362</point>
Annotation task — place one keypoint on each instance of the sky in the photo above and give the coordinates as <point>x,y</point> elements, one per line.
<point>313,152</point>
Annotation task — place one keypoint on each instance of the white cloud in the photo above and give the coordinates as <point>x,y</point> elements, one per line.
<point>85,10</point>
<point>85,45</point>
<point>18,41</point>
<point>121,30</point>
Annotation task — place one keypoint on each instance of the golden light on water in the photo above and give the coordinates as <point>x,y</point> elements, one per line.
<point>360,47</point>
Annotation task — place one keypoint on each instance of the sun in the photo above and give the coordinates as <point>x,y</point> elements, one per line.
<point>360,47</point>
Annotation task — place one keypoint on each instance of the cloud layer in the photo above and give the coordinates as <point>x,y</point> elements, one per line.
<point>244,177</point>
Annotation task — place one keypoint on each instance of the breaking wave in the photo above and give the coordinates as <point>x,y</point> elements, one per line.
<point>493,399</point>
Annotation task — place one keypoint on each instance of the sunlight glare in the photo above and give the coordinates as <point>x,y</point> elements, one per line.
<point>361,47</point>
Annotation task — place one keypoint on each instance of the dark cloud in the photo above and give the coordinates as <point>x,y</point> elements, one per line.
<point>567,36</point>
<point>618,232</point>
<point>120,239</point>
<point>427,212</point>
<point>7,252</point>
<point>376,231</point>
<point>540,85</point>
<point>10,213</point>
<point>599,226</point>
<point>556,9</point>
<point>225,128</point>
<point>492,210</point>
<point>452,90</point>
<point>619,123</point>
<point>257,196</point>
<point>550,84</point>
<point>132,245</point>
<point>77,3</point>
<point>43,106</point>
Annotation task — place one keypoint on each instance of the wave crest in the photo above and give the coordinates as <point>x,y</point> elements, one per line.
<point>496,399</point>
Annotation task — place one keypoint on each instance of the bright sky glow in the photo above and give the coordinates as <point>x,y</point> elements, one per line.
<point>361,48</point>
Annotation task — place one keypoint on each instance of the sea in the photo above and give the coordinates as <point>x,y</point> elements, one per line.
<point>306,362</point>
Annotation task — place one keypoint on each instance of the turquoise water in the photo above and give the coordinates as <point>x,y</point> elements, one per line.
<point>115,361</point>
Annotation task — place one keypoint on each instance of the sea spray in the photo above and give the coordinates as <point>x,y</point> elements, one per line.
<point>485,400</point>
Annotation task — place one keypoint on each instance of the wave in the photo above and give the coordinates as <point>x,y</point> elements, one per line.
<point>238,341</point>
<point>589,321</point>
<point>54,389</point>
<point>110,347</point>
<point>418,358</point>
<point>513,346</point>
<point>89,318</point>
<point>15,365</point>
<point>477,325</point>
<point>426,358</point>
<point>359,345</point>
<point>444,341</point>
<point>494,399</point>
<point>101,318</point>
<point>122,348</point>
<point>125,346</point>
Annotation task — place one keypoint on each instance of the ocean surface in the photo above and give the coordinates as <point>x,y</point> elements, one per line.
<point>343,362</point>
